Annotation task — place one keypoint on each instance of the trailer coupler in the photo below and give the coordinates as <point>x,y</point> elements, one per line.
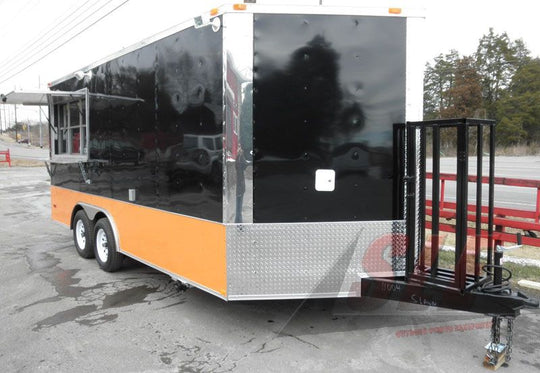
<point>421,291</point>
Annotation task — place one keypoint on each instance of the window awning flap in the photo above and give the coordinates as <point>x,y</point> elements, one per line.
<point>37,97</point>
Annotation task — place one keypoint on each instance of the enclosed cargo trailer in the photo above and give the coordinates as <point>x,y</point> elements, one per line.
<point>262,152</point>
<point>247,152</point>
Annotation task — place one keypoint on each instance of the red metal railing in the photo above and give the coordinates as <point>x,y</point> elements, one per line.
<point>524,220</point>
<point>7,158</point>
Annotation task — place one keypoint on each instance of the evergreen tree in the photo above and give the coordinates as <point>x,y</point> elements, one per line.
<point>518,112</point>
<point>500,81</point>
<point>465,95</point>
<point>438,80</point>
<point>497,59</point>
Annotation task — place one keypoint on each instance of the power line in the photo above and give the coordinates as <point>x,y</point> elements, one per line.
<point>65,42</point>
<point>14,64</point>
<point>55,24</point>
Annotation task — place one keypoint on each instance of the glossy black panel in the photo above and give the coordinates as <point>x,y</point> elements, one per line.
<point>156,126</point>
<point>327,90</point>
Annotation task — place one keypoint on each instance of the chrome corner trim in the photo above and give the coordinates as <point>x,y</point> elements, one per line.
<point>238,117</point>
<point>414,78</point>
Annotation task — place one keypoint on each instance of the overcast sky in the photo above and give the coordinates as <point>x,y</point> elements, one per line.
<point>27,30</point>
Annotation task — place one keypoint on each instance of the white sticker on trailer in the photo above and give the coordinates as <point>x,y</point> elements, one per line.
<point>325,180</point>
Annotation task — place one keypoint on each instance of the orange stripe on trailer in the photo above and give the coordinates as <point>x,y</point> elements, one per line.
<point>188,247</point>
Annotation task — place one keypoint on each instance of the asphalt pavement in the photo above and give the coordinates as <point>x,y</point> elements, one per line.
<point>23,151</point>
<point>61,313</point>
<point>505,196</point>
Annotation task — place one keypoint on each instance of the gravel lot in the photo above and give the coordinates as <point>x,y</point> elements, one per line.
<point>60,313</point>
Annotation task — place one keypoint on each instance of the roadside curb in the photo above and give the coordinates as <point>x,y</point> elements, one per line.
<point>529,284</point>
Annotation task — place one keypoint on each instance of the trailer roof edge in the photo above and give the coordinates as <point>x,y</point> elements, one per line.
<point>368,9</point>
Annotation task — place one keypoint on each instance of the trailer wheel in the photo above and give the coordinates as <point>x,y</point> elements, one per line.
<point>82,234</point>
<point>107,257</point>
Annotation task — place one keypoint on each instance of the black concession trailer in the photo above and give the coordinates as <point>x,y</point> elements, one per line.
<point>256,152</point>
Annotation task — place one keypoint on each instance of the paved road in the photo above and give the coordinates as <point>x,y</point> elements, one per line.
<point>23,151</point>
<point>505,196</point>
<point>515,167</point>
<point>60,313</point>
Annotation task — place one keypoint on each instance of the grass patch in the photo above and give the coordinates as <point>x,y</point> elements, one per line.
<point>523,272</point>
<point>519,272</point>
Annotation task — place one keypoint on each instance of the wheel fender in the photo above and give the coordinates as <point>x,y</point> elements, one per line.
<point>92,211</point>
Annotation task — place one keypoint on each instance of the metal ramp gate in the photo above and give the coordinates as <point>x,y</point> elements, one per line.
<point>483,289</point>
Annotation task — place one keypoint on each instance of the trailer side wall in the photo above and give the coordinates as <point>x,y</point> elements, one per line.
<point>167,144</point>
<point>155,127</point>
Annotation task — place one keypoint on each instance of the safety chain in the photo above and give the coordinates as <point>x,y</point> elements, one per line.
<point>496,330</point>
<point>510,332</point>
<point>494,348</point>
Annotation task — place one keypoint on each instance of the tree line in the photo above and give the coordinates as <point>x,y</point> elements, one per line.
<point>500,81</point>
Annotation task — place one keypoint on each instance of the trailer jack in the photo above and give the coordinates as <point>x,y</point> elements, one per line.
<point>483,289</point>
<point>479,297</point>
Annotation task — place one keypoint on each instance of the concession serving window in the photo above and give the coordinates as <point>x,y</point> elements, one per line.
<point>69,114</point>
<point>68,120</point>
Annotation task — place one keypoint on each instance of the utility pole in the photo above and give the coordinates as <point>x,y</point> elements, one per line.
<point>40,123</point>
<point>28,127</point>
<point>16,130</point>
<point>6,117</point>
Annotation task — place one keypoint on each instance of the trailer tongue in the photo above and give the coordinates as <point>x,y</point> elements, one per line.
<point>487,290</point>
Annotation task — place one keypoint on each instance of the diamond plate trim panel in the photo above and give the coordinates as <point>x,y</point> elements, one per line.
<point>272,261</point>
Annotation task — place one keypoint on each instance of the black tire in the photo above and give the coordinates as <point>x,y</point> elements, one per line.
<point>107,257</point>
<point>83,239</point>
